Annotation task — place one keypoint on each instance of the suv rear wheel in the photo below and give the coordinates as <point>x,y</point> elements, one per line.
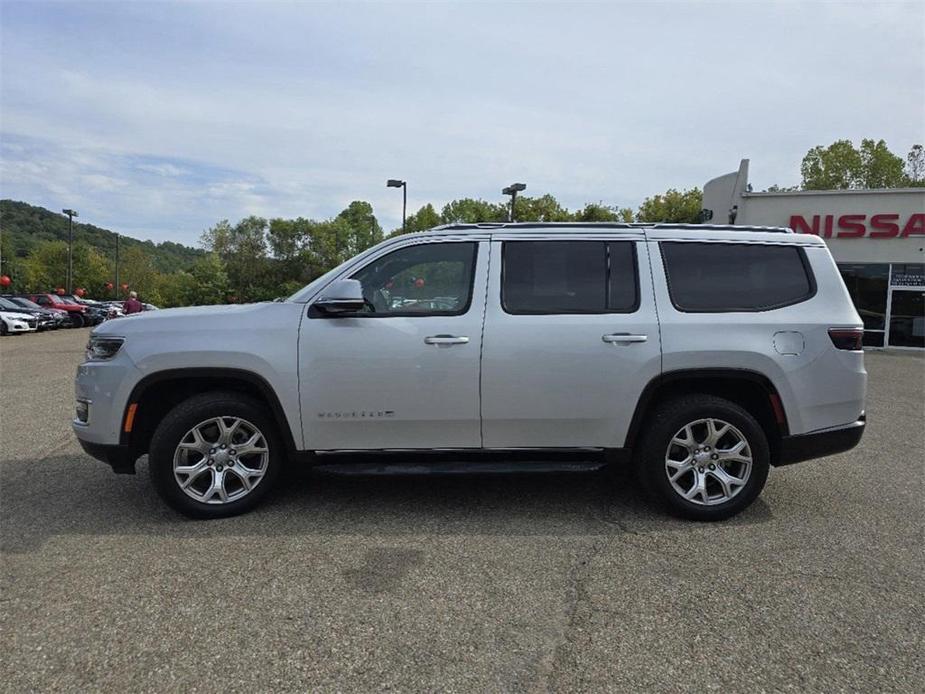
<point>215,455</point>
<point>703,457</point>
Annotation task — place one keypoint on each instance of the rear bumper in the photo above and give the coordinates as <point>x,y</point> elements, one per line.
<point>818,444</point>
<point>117,457</point>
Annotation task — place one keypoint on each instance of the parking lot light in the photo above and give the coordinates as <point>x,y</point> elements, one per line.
<point>512,190</point>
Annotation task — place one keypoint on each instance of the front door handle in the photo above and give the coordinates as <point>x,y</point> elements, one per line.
<point>624,338</point>
<point>446,340</point>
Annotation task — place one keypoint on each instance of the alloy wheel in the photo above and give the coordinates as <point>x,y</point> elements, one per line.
<point>221,460</point>
<point>708,462</point>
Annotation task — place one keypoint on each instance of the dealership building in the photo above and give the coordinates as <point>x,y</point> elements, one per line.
<point>876,236</point>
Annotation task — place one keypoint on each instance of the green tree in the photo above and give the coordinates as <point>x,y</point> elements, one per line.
<point>365,230</point>
<point>243,249</point>
<point>915,167</point>
<point>672,206</point>
<point>210,281</point>
<point>331,243</point>
<point>422,220</point>
<point>599,212</point>
<point>46,267</point>
<point>471,211</point>
<point>542,209</point>
<point>842,166</point>
<point>880,168</point>
<point>177,289</point>
<point>136,268</point>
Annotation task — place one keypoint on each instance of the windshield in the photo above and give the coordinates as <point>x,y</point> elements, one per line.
<point>7,304</point>
<point>55,299</point>
<point>23,303</point>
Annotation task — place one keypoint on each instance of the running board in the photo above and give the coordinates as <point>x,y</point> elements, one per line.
<point>458,468</point>
<point>461,461</point>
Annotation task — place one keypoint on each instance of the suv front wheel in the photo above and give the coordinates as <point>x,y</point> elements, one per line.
<point>704,457</point>
<point>215,455</point>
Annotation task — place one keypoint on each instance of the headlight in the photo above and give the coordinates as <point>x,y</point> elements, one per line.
<point>102,348</point>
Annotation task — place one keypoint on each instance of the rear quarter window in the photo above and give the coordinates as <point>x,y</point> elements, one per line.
<point>725,277</point>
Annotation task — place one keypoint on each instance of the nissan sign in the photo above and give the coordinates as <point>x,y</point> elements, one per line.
<point>886,225</point>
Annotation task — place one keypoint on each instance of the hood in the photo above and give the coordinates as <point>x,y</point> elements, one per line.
<point>199,318</point>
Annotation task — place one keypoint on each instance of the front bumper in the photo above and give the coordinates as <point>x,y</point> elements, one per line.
<point>117,457</point>
<point>818,444</point>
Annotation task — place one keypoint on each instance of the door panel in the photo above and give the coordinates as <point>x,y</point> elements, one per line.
<point>394,378</point>
<point>566,379</point>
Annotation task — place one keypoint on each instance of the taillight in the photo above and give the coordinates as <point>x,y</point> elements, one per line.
<point>847,338</point>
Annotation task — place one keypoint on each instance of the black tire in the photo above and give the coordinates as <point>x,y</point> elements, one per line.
<point>4,331</point>
<point>669,419</point>
<point>188,414</point>
<point>77,320</point>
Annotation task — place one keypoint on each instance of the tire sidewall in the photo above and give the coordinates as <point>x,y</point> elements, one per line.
<point>184,417</point>
<point>670,419</point>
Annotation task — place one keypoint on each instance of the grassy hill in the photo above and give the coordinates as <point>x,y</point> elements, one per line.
<point>24,226</point>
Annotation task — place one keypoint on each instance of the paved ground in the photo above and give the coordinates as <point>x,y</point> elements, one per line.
<point>527,583</point>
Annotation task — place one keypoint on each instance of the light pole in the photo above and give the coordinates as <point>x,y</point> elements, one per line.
<point>395,183</point>
<point>512,190</point>
<point>70,247</point>
<point>117,265</point>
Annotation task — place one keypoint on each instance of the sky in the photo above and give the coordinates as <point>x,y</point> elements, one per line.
<point>159,119</point>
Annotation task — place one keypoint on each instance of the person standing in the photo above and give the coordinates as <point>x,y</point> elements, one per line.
<point>132,304</point>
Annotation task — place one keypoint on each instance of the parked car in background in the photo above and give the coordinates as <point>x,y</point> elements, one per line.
<point>45,320</point>
<point>15,323</point>
<point>115,308</point>
<point>76,312</point>
<point>95,312</point>
<point>60,317</point>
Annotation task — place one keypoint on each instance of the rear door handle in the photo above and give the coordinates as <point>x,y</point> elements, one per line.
<point>446,340</point>
<point>623,338</point>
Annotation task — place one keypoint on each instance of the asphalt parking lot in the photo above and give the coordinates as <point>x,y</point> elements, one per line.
<point>515,583</point>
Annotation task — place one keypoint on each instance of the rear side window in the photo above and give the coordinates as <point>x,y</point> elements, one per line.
<point>548,277</point>
<point>722,277</point>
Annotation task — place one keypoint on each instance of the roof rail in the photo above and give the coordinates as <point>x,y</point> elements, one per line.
<point>541,225</point>
<point>606,225</point>
<point>723,227</point>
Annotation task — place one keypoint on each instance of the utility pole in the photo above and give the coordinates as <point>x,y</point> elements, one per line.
<point>70,248</point>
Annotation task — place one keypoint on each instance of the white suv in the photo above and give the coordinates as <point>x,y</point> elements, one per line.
<point>702,355</point>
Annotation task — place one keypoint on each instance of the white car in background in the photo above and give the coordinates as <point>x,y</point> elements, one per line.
<point>14,323</point>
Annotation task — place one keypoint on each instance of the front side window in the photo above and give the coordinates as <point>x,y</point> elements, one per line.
<point>724,277</point>
<point>550,277</point>
<point>428,279</point>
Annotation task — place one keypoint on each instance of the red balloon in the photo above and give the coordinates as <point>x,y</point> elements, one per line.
<point>419,282</point>
<point>5,281</point>
<point>60,291</point>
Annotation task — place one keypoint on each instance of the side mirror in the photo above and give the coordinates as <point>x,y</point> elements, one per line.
<point>342,297</point>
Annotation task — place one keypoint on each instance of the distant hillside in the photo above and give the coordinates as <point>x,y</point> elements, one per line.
<point>24,226</point>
